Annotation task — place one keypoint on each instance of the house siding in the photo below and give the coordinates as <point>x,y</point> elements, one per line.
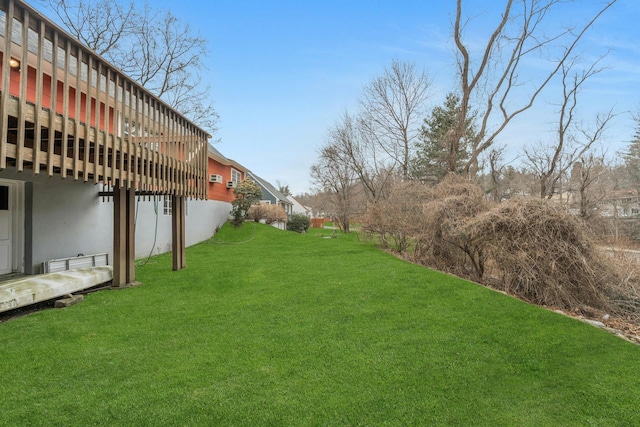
<point>219,191</point>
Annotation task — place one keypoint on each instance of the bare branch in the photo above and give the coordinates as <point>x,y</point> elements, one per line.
<point>499,65</point>
<point>154,48</point>
<point>392,107</point>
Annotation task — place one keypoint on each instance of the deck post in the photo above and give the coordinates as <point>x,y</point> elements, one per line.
<point>124,267</point>
<point>178,232</point>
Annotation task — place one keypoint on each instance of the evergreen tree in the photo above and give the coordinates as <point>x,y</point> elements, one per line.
<point>432,150</point>
<point>284,189</point>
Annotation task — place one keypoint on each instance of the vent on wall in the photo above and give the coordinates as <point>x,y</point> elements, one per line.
<point>231,184</point>
<point>82,261</point>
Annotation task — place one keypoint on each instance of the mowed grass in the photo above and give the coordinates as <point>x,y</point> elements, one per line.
<point>273,328</point>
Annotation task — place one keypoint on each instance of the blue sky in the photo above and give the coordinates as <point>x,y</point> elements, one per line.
<point>282,72</point>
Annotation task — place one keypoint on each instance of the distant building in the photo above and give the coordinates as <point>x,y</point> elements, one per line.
<point>273,196</point>
<point>298,207</point>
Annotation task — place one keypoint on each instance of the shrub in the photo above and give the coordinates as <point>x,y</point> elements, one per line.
<point>299,223</point>
<point>274,213</point>
<point>257,212</point>
<point>439,243</point>
<point>397,218</point>
<point>247,193</point>
<point>540,252</point>
<point>267,213</point>
<point>530,248</point>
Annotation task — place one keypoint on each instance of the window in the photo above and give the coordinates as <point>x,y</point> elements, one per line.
<point>236,176</point>
<point>167,206</point>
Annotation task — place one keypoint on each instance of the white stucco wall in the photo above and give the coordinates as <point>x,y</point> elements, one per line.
<point>67,218</point>
<point>202,219</point>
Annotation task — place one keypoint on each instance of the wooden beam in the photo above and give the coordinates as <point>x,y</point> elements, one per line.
<point>37,120</point>
<point>178,232</point>
<point>6,83</point>
<point>23,95</point>
<point>124,268</point>
<point>52,105</point>
<point>130,269</point>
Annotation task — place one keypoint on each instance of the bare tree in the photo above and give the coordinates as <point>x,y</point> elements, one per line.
<point>551,171</point>
<point>333,174</point>
<point>392,107</point>
<point>587,173</point>
<point>495,159</point>
<point>152,47</point>
<point>354,145</point>
<point>573,142</point>
<point>494,82</point>
<point>101,25</point>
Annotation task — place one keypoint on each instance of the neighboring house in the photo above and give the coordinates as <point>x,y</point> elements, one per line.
<point>620,204</point>
<point>72,125</point>
<point>202,217</point>
<point>224,175</point>
<point>299,208</point>
<point>272,196</point>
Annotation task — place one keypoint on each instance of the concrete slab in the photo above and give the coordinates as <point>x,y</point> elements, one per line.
<point>28,290</point>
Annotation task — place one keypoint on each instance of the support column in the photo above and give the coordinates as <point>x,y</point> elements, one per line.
<point>178,232</point>
<point>124,254</point>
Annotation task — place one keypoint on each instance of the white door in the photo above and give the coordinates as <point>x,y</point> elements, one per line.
<point>6,230</point>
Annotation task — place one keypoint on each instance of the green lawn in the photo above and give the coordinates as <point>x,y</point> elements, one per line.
<point>267,327</point>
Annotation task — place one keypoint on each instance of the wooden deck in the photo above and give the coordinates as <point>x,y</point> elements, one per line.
<point>67,112</point>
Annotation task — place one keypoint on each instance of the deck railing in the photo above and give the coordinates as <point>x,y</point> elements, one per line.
<point>65,110</point>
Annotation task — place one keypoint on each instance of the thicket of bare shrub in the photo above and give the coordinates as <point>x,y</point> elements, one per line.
<point>441,243</point>
<point>267,213</point>
<point>538,251</point>
<point>257,212</point>
<point>399,217</point>
<point>530,248</point>
<point>624,292</point>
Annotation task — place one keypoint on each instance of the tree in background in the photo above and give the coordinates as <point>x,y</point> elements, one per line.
<point>361,153</point>
<point>391,108</point>
<point>247,193</point>
<point>491,77</point>
<point>333,175</point>
<point>497,176</point>
<point>631,157</point>
<point>284,189</point>
<point>430,163</point>
<point>587,173</point>
<point>153,47</point>
<point>552,161</point>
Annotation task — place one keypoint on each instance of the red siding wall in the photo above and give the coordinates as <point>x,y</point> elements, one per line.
<point>219,191</point>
